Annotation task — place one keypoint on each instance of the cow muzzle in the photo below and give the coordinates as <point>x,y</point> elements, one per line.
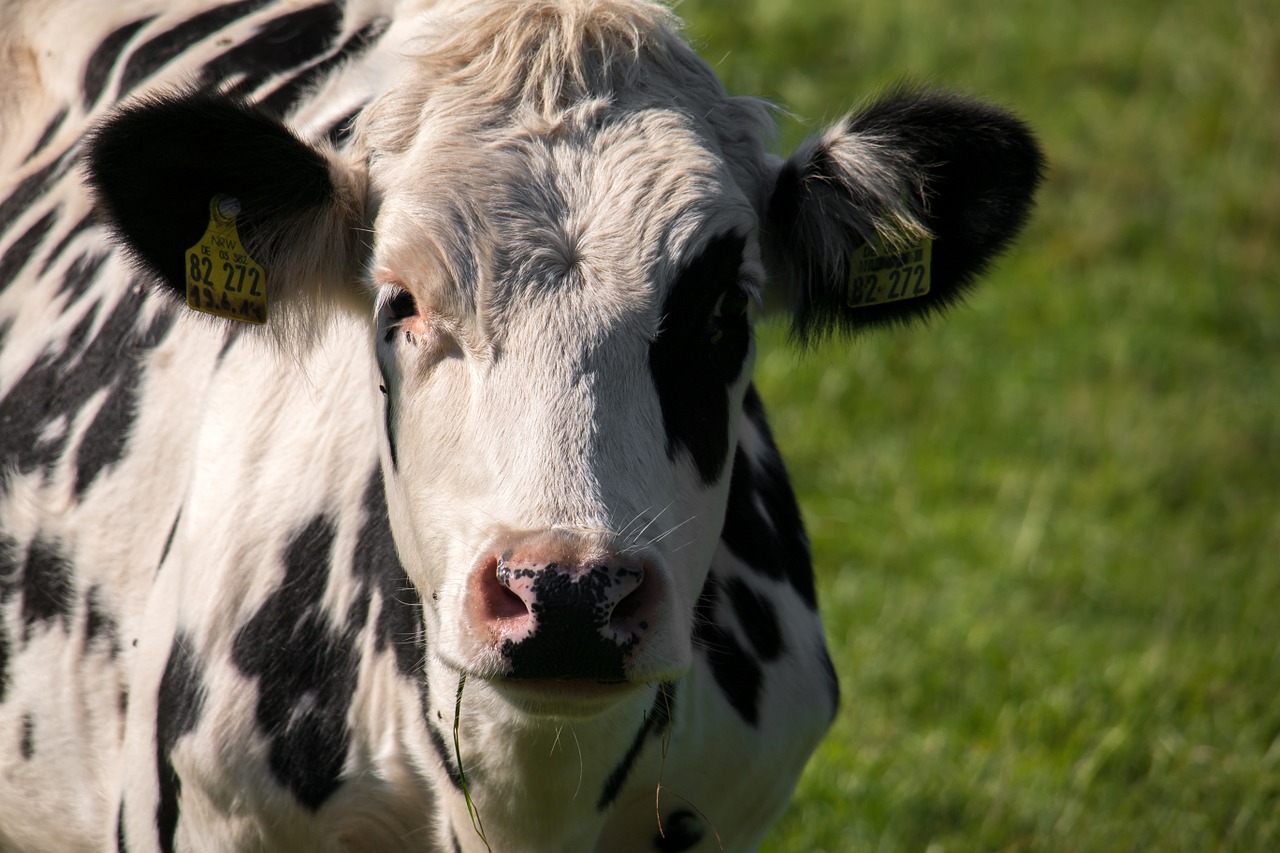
<point>557,607</point>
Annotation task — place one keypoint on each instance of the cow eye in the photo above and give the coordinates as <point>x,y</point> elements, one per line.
<point>402,306</point>
<point>401,317</point>
<point>732,304</point>
<point>730,313</point>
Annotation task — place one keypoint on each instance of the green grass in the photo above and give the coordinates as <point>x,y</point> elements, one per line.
<point>1047,528</point>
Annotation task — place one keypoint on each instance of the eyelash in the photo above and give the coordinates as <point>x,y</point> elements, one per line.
<point>402,306</point>
<point>399,307</point>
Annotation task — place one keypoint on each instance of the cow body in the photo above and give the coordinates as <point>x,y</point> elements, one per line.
<point>484,542</point>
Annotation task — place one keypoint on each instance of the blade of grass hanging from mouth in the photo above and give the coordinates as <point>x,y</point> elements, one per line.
<point>476,823</point>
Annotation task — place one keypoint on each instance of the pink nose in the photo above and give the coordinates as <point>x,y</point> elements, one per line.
<point>555,607</point>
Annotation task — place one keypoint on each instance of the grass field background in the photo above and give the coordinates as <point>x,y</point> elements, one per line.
<point>1047,529</point>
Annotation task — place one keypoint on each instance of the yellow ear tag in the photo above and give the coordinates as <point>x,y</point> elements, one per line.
<point>877,276</point>
<point>221,277</point>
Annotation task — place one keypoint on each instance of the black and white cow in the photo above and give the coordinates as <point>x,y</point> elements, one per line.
<point>482,541</point>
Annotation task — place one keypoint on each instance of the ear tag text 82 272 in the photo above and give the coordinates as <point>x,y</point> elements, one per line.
<point>877,276</point>
<point>222,279</point>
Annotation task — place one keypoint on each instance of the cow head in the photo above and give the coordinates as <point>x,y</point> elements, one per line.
<point>557,227</point>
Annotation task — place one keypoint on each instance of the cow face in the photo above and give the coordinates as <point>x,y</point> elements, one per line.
<point>565,341</point>
<point>570,223</point>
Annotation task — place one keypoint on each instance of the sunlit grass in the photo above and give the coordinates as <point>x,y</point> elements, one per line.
<point>1048,528</point>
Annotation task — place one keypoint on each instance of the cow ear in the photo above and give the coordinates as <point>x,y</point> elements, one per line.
<point>891,215</point>
<point>156,166</point>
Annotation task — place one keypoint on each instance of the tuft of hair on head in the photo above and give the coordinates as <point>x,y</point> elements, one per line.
<point>533,59</point>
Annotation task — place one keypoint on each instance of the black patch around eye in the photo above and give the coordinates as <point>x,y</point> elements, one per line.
<point>697,356</point>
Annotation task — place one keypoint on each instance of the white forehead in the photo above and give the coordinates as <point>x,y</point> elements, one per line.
<point>561,143</point>
<point>630,199</point>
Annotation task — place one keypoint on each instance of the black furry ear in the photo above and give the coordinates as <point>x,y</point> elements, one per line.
<point>912,175</point>
<point>156,163</point>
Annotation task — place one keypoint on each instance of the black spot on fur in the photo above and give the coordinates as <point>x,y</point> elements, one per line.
<point>399,626</point>
<point>695,358</point>
<point>168,540</point>
<point>736,672</point>
<point>82,273</point>
<point>30,188</point>
<point>48,587</point>
<point>98,69</point>
<point>234,333</point>
<point>305,668</point>
<point>656,721</point>
<point>60,384</point>
<point>180,703</point>
<point>20,251</point>
<point>84,224</point>
<point>776,545</point>
<point>4,661</point>
<point>157,51</point>
<point>121,845</point>
<point>285,96</point>
<point>28,744</point>
<point>279,44</point>
<point>50,129</point>
<point>756,618</point>
<point>9,586</point>
<point>681,831</point>
<point>10,577</point>
<point>105,439</point>
<point>99,625</point>
<point>832,680</point>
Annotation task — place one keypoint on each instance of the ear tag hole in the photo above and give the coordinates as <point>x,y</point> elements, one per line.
<point>222,279</point>
<point>877,276</point>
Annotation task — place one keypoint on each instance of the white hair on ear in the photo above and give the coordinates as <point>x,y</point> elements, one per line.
<point>856,185</point>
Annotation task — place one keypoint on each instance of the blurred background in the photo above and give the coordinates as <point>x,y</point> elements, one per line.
<point>1047,527</point>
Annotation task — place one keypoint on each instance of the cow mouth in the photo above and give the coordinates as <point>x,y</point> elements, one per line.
<point>563,697</point>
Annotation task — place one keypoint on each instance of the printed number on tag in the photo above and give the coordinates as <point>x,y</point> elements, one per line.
<point>877,277</point>
<point>221,277</point>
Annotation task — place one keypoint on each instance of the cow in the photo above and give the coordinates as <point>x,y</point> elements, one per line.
<point>382,469</point>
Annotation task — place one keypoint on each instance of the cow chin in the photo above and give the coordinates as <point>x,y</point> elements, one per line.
<point>567,699</point>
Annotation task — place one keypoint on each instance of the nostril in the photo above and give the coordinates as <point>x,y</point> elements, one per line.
<point>507,605</point>
<point>499,599</point>
<point>627,613</point>
<point>634,608</point>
